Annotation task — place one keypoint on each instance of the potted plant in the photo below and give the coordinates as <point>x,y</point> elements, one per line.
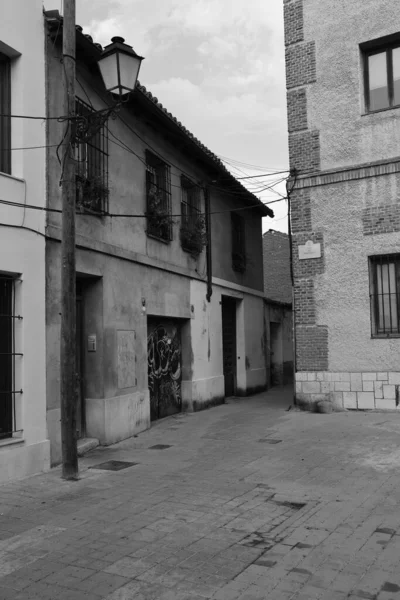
<point>91,195</point>
<point>159,220</point>
<point>193,235</point>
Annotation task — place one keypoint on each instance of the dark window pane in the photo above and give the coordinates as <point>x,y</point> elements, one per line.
<point>5,110</point>
<point>378,84</point>
<point>396,75</point>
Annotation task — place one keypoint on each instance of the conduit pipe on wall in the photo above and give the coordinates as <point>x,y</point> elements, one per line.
<point>289,190</point>
<point>208,247</point>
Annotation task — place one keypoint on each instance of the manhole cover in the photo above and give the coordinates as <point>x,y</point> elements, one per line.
<point>269,441</point>
<point>160,447</point>
<point>114,465</point>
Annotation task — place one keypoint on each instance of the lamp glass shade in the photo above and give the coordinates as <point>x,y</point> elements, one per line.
<point>109,71</point>
<point>128,71</point>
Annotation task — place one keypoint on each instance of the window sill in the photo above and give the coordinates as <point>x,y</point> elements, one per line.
<point>156,237</point>
<point>380,110</point>
<point>193,253</point>
<point>12,441</point>
<point>385,336</point>
<point>93,213</point>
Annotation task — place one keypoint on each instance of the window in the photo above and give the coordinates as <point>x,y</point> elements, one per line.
<point>92,167</point>
<point>238,243</point>
<point>190,201</point>
<point>5,109</point>
<point>8,356</point>
<point>193,230</point>
<point>382,77</point>
<point>384,294</point>
<point>158,197</point>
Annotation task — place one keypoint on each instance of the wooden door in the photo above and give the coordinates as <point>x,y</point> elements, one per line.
<point>229,344</point>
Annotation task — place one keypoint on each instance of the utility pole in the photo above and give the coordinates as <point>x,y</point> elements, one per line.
<point>68,383</point>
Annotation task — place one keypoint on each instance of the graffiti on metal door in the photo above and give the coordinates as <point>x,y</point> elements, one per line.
<point>164,369</point>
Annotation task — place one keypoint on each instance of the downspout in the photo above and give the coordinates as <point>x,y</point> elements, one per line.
<point>208,247</point>
<point>289,190</point>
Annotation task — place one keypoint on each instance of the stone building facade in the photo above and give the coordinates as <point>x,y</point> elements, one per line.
<point>343,99</point>
<point>165,323</point>
<point>24,447</point>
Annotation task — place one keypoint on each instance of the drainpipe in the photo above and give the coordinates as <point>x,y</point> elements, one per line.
<point>289,190</point>
<point>208,247</point>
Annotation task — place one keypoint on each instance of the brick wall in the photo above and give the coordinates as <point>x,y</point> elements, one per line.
<point>312,348</point>
<point>294,24</point>
<point>276,258</point>
<point>297,110</point>
<point>304,155</point>
<point>381,219</point>
<point>301,66</point>
<point>304,151</point>
<point>300,206</point>
<point>304,302</point>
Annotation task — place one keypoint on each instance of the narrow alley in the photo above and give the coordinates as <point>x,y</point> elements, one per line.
<point>245,501</point>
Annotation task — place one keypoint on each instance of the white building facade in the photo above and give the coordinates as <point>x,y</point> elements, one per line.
<point>24,448</point>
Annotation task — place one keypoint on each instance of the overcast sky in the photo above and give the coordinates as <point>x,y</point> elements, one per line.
<point>218,66</point>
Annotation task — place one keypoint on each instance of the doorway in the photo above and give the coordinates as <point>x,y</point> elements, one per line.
<point>164,355</point>
<point>229,344</point>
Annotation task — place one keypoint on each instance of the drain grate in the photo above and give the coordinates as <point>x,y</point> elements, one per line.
<point>269,441</point>
<point>114,465</point>
<point>160,447</point>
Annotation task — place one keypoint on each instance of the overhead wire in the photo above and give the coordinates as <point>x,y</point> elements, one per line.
<point>156,152</point>
<point>105,214</point>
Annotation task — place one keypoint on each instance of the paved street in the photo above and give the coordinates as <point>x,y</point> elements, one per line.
<point>243,501</point>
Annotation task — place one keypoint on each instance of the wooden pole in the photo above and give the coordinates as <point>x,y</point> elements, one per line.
<point>68,379</point>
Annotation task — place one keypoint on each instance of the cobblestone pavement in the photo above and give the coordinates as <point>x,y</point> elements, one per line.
<point>244,501</point>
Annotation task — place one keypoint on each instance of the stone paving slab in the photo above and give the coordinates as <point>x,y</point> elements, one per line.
<point>246,502</point>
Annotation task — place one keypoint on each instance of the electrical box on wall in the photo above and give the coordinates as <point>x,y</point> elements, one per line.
<point>91,343</point>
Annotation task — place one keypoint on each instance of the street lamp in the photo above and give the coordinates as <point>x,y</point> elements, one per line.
<point>119,66</point>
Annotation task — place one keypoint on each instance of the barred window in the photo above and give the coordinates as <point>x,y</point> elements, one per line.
<point>5,111</point>
<point>238,243</point>
<point>92,167</point>
<point>8,357</point>
<point>190,201</point>
<point>384,294</point>
<point>158,198</point>
<point>193,227</point>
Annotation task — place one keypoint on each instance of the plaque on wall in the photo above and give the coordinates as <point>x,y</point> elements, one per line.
<point>309,250</point>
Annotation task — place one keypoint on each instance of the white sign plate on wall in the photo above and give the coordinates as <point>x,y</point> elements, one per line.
<point>309,250</point>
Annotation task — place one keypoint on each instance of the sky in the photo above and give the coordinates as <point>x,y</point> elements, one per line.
<point>216,65</point>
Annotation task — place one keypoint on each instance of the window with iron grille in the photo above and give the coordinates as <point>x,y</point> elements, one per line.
<point>238,243</point>
<point>92,167</point>
<point>193,231</point>
<point>8,357</point>
<point>384,295</point>
<point>5,111</point>
<point>158,198</point>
